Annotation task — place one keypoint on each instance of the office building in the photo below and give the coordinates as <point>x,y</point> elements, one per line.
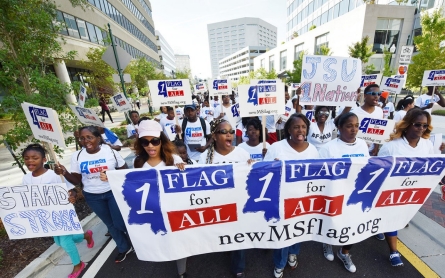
<point>166,55</point>
<point>182,62</point>
<point>239,63</point>
<point>228,37</point>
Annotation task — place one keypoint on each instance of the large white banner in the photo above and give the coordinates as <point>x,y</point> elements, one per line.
<point>330,80</point>
<point>261,99</point>
<point>87,116</point>
<point>220,87</point>
<point>121,103</point>
<point>369,80</point>
<point>170,92</point>
<point>270,204</point>
<point>392,84</point>
<point>375,130</point>
<point>433,78</point>
<point>44,123</point>
<point>38,210</point>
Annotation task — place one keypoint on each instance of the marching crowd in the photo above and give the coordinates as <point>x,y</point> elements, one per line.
<point>208,132</point>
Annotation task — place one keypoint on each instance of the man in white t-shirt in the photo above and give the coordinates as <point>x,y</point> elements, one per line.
<point>132,129</point>
<point>179,112</point>
<point>168,123</point>
<point>207,112</point>
<point>228,111</point>
<point>214,102</point>
<point>196,133</point>
<point>426,101</point>
<point>387,107</point>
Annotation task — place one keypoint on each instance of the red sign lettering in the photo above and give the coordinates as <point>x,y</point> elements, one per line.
<point>439,78</point>
<point>399,197</point>
<point>177,93</point>
<point>98,169</point>
<point>268,100</point>
<point>326,205</point>
<point>222,87</point>
<point>197,134</point>
<point>46,126</point>
<point>375,131</point>
<point>368,83</point>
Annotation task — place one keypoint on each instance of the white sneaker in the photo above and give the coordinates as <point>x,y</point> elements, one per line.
<point>327,252</point>
<point>292,261</point>
<point>278,272</point>
<point>346,259</point>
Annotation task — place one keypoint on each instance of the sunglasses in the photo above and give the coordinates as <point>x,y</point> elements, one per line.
<point>374,93</point>
<point>155,142</point>
<point>323,113</point>
<point>225,131</point>
<point>424,126</point>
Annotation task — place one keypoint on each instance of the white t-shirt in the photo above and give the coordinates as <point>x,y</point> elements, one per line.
<point>399,115</point>
<point>240,128</point>
<point>256,153</point>
<point>214,104</point>
<point>424,100</point>
<point>389,107</point>
<point>90,166</point>
<point>401,147</point>
<point>194,135</point>
<point>231,114</point>
<point>169,127</point>
<point>116,143</point>
<point>46,178</point>
<point>160,116</point>
<point>176,158</point>
<point>131,130</point>
<point>179,112</point>
<point>283,151</point>
<point>377,114</point>
<point>207,113</point>
<point>236,155</point>
<point>337,148</point>
<point>316,137</point>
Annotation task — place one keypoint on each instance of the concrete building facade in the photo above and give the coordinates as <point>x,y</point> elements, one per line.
<point>239,63</point>
<point>182,62</point>
<point>228,37</point>
<point>166,55</point>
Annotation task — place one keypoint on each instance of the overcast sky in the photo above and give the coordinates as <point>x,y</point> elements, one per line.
<point>184,23</point>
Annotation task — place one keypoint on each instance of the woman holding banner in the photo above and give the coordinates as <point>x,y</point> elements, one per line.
<point>86,166</point>
<point>293,147</point>
<point>346,145</point>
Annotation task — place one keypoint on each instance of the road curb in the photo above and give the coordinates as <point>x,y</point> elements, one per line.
<point>53,254</point>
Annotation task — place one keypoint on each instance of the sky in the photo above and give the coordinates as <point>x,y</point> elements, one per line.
<point>183,23</point>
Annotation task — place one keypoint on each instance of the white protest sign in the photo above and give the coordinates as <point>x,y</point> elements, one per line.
<point>87,116</point>
<point>220,87</point>
<point>170,92</point>
<point>82,96</point>
<point>374,130</point>
<point>121,103</point>
<point>330,80</point>
<point>392,85</point>
<point>269,205</point>
<point>433,78</point>
<point>44,123</point>
<point>261,99</point>
<point>369,80</point>
<point>436,139</point>
<point>38,210</point>
<point>200,87</point>
<point>406,52</point>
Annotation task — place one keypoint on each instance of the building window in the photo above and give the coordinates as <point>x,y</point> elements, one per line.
<point>283,60</point>
<point>321,41</point>
<point>387,35</point>
<point>271,62</point>
<point>82,29</point>
<point>71,25</point>
<point>62,23</point>
<point>298,51</point>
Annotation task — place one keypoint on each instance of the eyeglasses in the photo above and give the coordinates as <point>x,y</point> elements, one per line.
<point>424,126</point>
<point>225,131</point>
<point>326,113</point>
<point>155,142</point>
<point>374,93</point>
<point>89,138</point>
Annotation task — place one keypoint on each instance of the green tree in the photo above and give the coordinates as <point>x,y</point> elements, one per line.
<point>401,1</point>
<point>431,55</point>
<point>387,56</point>
<point>29,44</point>
<point>312,27</point>
<point>294,76</point>
<point>141,71</point>
<point>363,51</point>
<point>260,73</point>
<point>324,50</point>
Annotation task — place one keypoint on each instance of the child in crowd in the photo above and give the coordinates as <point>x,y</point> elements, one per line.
<point>182,152</point>
<point>132,128</point>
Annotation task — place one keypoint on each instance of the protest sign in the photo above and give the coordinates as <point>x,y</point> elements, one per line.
<point>392,84</point>
<point>200,87</point>
<point>406,52</point>
<point>220,87</point>
<point>121,103</point>
<point>87,116</point>
<point>261,99</point>
<point>370,79</point>
<point>402,70</point>
<point>330,80</point>
<point>436,139</point>
<point>170,92</point>
<point>82,96</point>
<point>433,78</point>
<point>44,123</point>
<point>171,214</point>
<point>38,210</point>
<point>374,130</point>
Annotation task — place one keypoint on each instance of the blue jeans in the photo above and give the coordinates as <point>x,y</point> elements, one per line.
<point>280,255</point>
<point>105,206</point>
<point>68,243</point>
<point>238,261</point>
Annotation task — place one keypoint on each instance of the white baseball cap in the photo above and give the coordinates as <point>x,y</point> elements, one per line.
<point>149,128</point>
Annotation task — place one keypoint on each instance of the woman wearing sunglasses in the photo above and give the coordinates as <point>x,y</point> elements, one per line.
<point>409,139</point>
<point>222,151</point>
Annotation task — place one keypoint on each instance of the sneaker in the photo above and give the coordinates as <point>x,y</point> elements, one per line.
<point>380,236</point>
<point>278,272</point>
<point>183,275</point>
<point>121,256</point>
<point>327,252</point>
<point>395,259</point>
<point>346,259</point>
<point>240,275</point>
<point>292,261</point>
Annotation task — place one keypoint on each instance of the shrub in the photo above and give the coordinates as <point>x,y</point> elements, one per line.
<point>91,102</point>
<point>439,112</point>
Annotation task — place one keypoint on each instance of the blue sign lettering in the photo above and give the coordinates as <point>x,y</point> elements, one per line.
<point>332,169</point>
<point>419,166</point>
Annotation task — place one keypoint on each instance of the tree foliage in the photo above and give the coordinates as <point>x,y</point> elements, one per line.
<point>260,73</point>
<point>324,50</point>
<point>363,51</point>
<point>294,76</point>
<point>312,27</point>
<point>431,55</point>
<point>141,71</point>
<point>387,56</point>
